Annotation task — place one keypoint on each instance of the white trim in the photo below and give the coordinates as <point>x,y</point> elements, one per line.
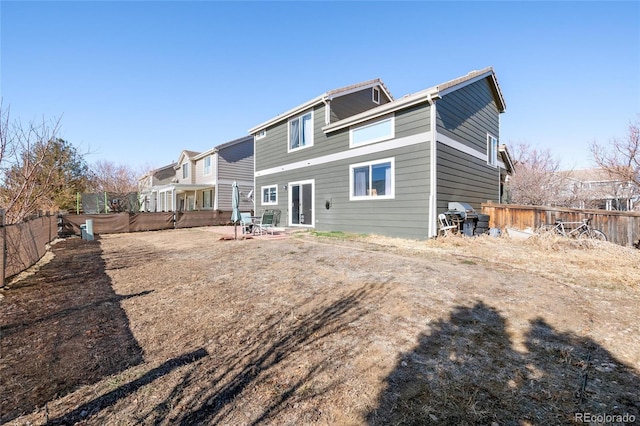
<point>464,83</point>
<point>391,118</point>
<point>392,195</point>
<point>261,134</point>
<point>433,176</point>
<point>269,203</point>
<point>459,146</point>
<point>375,90</point>
<point>352,153</point>
<point>313,202</point>
<point>492,160</point>
<point>299,118</point>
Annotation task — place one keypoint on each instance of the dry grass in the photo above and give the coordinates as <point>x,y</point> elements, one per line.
<point>178,327</point>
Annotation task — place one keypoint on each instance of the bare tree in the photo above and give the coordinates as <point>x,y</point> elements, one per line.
<point>38,170</point>
<point>621,157</point>
<point>4,134</point>
<point>536,180</point>
<point>111,177</point>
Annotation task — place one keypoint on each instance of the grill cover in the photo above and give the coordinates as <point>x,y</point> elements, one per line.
<point>463,209</point>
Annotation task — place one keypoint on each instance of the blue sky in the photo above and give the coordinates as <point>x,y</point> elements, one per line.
<point>138,82</point>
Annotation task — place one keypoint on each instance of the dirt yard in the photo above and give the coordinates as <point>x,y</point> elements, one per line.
<point>180,327</point>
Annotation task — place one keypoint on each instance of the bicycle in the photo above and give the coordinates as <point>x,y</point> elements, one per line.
<point>583,230</point>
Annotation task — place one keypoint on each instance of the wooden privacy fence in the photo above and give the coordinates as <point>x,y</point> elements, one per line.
<point>620,227</point>
<point>23,244</point>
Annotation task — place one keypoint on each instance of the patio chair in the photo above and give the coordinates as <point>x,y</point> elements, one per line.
<point>246,221</point>
<point>446,226</point>
<point>265,224</point>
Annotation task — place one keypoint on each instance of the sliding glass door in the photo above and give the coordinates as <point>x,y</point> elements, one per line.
<point>301,203</point>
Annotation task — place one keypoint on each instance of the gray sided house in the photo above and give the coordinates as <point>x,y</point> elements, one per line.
<point>357,160</point>
<point>201,181</point>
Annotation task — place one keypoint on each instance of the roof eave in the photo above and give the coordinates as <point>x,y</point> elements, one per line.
<point>470,78</point>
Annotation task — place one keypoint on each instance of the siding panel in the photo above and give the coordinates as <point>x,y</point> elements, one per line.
<point>385,217</point>
<point>464,178</point>
<point>467,114</point>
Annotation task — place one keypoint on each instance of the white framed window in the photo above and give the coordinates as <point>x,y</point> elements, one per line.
<point>269,195</point>
<point>492,150</point>
<point>372,132</point>
<point>372,180</point>
<point>301,132</point>
<point>261,134</point>
<point>185,170</point>
<point>375,95</point>
<point>207,165</point>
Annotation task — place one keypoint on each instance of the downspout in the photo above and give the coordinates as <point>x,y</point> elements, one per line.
<point>433,195</point>
<point>327,110</point>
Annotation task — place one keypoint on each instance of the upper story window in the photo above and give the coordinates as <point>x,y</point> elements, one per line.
<point>373,132</point>
<point>185,170</point>
<point>269,195</point>
<point>375,95</point>
<point>492,150</point>
<point>301,132</point>
<point>261,134</point>
<point>372,180</point>
<point>207,165</point>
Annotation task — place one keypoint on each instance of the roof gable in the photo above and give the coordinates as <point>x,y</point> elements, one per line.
<point>185,154</point>
<point>470,78</point>
<point>327,96</point>
<point>427,95</point>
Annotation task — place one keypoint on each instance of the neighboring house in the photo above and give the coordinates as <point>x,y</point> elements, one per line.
<point>598,189</point>
<point>202,181</point>
<point>356,159</point>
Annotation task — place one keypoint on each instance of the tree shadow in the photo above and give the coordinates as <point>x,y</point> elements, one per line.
<point>465,371</point>
<point>262,360</point>
<point>62,328</point>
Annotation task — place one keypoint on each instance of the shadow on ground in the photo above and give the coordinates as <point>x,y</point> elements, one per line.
<point>264,361</point>
<point>465,371</point>
<point>61,328</point>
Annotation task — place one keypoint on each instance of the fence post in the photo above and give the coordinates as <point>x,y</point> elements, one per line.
<point>4,245</point>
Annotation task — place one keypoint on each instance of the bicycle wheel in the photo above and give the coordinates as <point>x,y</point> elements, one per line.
<point>593,234</point>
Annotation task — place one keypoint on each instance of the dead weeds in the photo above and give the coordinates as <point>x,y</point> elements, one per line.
<point>179,327</point>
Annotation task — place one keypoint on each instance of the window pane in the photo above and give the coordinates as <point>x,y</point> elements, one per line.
<point>272,195</point>
<point>376,131</point>
<point>381,179</point>
<point>307,130</point>
<point>294,134</point>
<point>361,181</point>
<point>265,195</point>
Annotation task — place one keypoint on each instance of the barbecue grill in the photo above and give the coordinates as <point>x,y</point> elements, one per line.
<point>464,216</point>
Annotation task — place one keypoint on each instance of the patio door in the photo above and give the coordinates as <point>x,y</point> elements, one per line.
<point>301,207</point>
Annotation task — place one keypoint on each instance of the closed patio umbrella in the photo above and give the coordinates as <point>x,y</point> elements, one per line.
<point>235,207</point>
